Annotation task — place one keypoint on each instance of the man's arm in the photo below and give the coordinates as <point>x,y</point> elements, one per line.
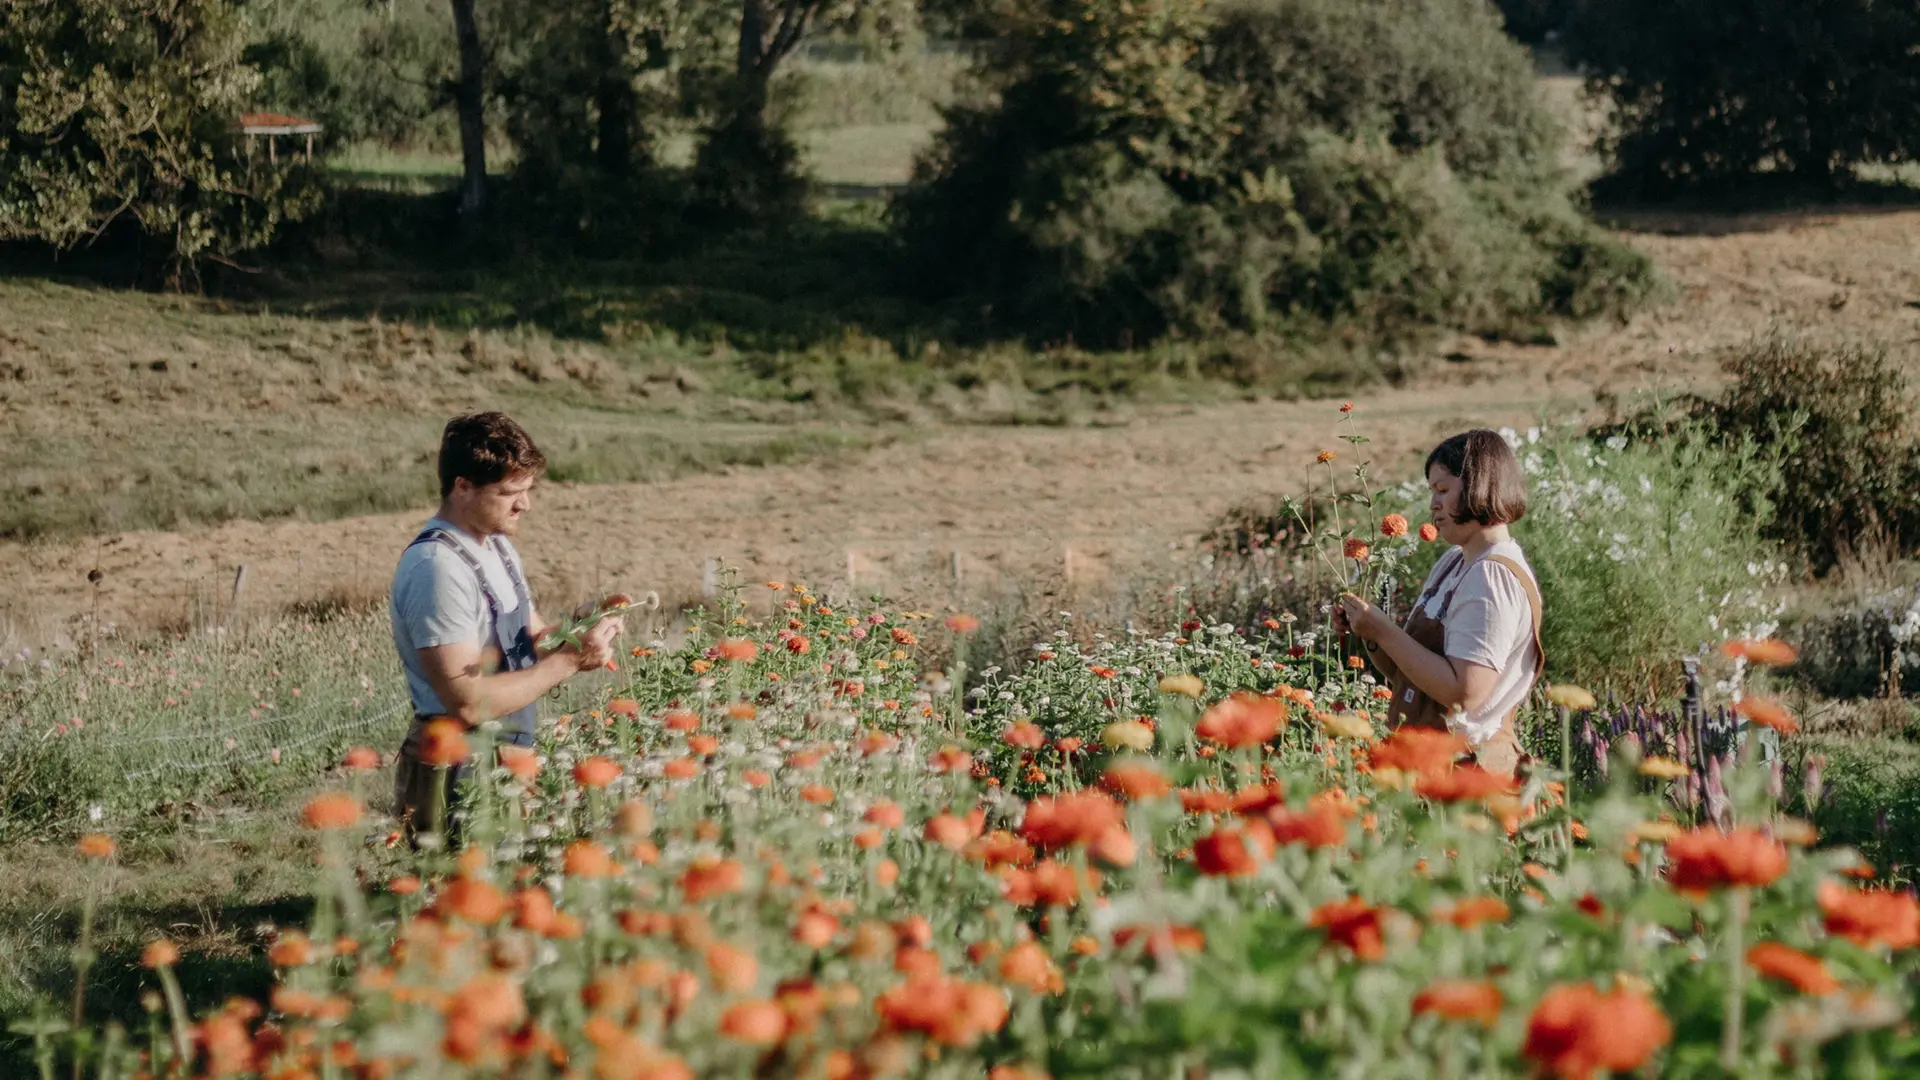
<point>466,692</point>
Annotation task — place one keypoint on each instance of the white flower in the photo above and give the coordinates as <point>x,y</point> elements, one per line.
<point>1617,443</point>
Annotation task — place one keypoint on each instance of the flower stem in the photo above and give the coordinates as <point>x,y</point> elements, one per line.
<point>1737,901</point>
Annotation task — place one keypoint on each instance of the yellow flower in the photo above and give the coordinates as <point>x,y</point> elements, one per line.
<point>1572,697</point>
<point>1127,734</point>
<point>1189,685</point>
<point>1346,725</point>
<point>1654,832</point>
<point>1664,768</point>
<point>1796,832</point>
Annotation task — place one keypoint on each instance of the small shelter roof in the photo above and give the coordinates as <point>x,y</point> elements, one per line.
<point>264,123</point>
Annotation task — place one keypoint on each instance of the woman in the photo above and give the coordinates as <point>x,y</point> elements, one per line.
<point>1470,650</point>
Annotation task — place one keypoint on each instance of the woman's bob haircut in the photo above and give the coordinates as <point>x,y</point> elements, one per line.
<point>1492,490</point>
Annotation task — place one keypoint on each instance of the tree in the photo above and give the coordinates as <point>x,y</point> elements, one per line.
<point>470,101</point>
<point>1711,93</point>
<point>126,111</point>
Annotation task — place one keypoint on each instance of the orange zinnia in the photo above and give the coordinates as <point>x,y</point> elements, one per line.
<point>1417,751</point>
<point>1024,735</point>
<point>1429,533</point>
<point>361,758</point>
<point>1576,1031</point>
<point>1473,911</point>
<point>1135,780</point>
<point>1466,783</point>
<point>885,814</point>
<point>1000,848</point>
<point>97,846</point>
<point>757,1023</point>
<point>520,762</point>
<point>1355,548</point>
<point>159,953</point>
<point>1393,525</point>
<point>962,624</point>
<point>1704,859</point>
<point>444,743</point>
<point>947,1010</point>
<point>1804,972</point>
<point>736,649</point>
<point>710,876</point>
<point>1868,916</point>
<point>595,772</point>
<point>1354,923</point>
<point>1225,853</point>
<point>1047,884</point>
<point>1769,651</point>
<point>1244,719</point>
<point>1460,999</point>
<point>584,858</point>
<point>331,810</point>
<point>1767,713</point>
<point>1079,817</point>
<point>1159,938</point>
<point>1028,965</point>
<point>732,968</point>
<point>1321,825</point>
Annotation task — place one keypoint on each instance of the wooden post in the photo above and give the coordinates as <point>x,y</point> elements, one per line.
<point>239,590</point>
<point>273,150</point>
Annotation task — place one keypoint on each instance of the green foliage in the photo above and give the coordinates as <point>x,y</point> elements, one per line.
<point>1713,92</point>
<point>126,110</point>
<point>1532,20</point>
<point>1844,418</point>
<point>369,72</point>
<point>1173,167</point>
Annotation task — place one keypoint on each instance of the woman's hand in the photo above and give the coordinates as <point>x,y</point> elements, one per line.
<point>1360,617</point>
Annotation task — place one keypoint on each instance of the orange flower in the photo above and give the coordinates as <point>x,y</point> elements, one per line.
<point>737,649</point>
<point>1767,713</point>
<point>404,885</point>
<point>1769,651</point>
<point>1393,525</point>
<point>331,810</point>
<point>1354,923</point>
<point>1321,825</point>
<point>1134,780</point>
<point>1473,911</point>
<point>1000,848</point>
<point>798,645</point>
<point>962,624</point>
<point>1160,938</point>
<point>362,758</point>
<point>1704,859</point>
<point>1205,801</point>
<point>756,1023</point>
<point>1868,916</point>
<point>681,720</point>
<point>520,761</point>
<point>1429,533</point>
<point>444,743</point>
<point>1024,735</point>
<point>710,876</point>
<point>1074,818</point>
<point>474,900</point>
<point>947,1010</point>
<point>595,772</point>
<point>950,759</point>
<point>97,846</point>
<point>817,794</point>
<point>584,858</point>
<point>292,949</point>
<point>1355,548</point>
<point>1576,1031</point>
<point>1225,853</point>
<point>1460,999</point>
<point>732,968</point>
<point>626,707</point>
<point>159,953</point>
<point>742,710</point>
<point>1325,457</point>
<point>680,768</point>
<point>885,814</point>
<point>903,636</point>
<point>1417,751</point>
<point>1806,973</point>
<point>1244,719</point>
<point>1029,966</point>
<point>815,928</point>
<point>1047,884</point>
<point>1466,783</point>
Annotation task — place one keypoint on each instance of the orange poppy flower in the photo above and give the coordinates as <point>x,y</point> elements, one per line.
<point>1135,780</point>
<point>1865,917</point>
<point>361,758</point>
<point>1577,1031</point>
<point>474,900</point>
<point>1078,817</point>
<point>681,768</point>
<point>1028,965</point>
<point>736,649</point>
<point>1804,972</point>
<point>1243,719</point>
<point>885,814</point>
<point>681,720</point>
<point>595,772</point>
<point>331,810</point>
<point>710,876</point>
<point>1460,999</point>
<point>1115,847</point>
<point>1393,525</point>
<point>886,872</point>
<point>1704,859</point>
<point>755,777</point>
<point>817,794</point>
<point>704,745</point>
<point>1354,923</point>
<point>815,928</point>
<point>756,1023</point>
<point>1767,713</point>
<point>875,742</point>
<point>444,743</point>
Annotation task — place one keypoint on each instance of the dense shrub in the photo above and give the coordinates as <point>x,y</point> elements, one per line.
<point>1713,91</point>
<point>1175,167</point>
<point>1843,416</point>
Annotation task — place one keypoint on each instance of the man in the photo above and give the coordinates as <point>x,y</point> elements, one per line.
<point>463,620</point>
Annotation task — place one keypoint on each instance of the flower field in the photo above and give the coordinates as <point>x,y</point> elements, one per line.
<point>786,849</point>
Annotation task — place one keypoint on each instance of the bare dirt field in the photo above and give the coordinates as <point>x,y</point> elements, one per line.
<point>1040,502</point>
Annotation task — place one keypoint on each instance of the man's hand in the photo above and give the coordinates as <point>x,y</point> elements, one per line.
<point>1360,617</point>
<point>596,648</point>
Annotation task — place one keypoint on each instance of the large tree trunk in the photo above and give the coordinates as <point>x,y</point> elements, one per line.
<point>614,101</point>
<point>469,96</point>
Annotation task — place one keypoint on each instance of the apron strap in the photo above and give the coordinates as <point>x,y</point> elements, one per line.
<point>510,652</point>
<point>1533,601</point>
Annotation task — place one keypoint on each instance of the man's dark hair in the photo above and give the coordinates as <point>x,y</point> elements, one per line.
<point>486,448</point>
<point>1493,491</point>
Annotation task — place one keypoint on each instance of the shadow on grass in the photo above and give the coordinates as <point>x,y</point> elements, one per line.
<point>1765,204</point>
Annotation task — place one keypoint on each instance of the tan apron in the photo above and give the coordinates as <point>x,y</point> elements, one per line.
<point>1500,754</point>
